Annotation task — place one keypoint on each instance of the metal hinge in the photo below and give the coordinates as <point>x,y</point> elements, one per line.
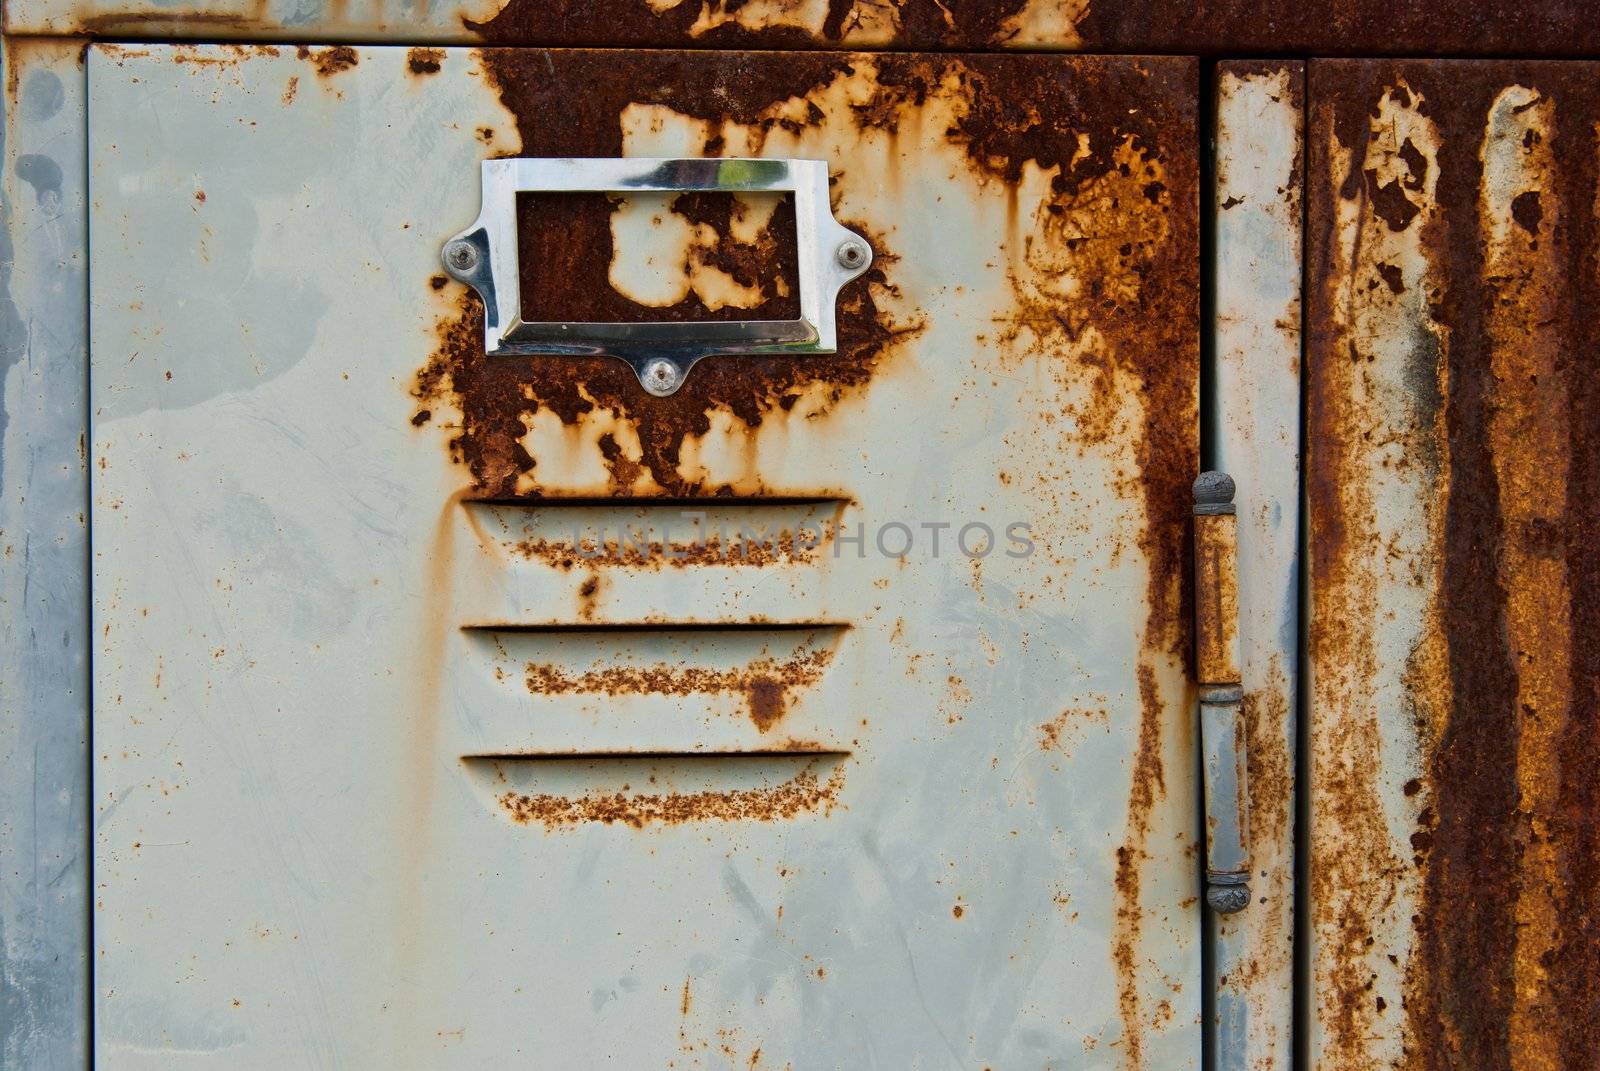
<point>1222,735</point>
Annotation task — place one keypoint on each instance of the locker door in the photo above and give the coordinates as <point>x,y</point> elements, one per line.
<point>1452,425</point>
<point>829,710</point>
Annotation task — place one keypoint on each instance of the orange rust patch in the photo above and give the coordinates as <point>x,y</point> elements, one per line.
<point>766,682</point>
<point>1055,733</point>
<point>800,794</point>
<point>572,104</point>
<point>497,398</point>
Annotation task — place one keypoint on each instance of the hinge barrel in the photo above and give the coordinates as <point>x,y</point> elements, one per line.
<point>1222,736</point>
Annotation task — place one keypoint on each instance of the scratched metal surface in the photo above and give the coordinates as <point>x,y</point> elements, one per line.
<point>44,661</point>
<point>837,809</point>
<point>1209,27</point>
<point>1452,479</point>
<point>1255,411</point>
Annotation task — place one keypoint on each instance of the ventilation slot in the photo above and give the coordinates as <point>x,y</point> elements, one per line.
<point>639,790</point>
<point>598,533</point>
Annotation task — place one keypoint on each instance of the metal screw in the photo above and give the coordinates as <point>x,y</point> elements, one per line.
<point>661,377</point>
<point>461,255</point>
<point>852,253</point>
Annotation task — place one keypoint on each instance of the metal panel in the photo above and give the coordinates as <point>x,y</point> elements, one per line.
<point>1255,414</point>
<point>1215,27</point>
<point>1453,477</point>
<point>44,694</point>
<point>390,769</point>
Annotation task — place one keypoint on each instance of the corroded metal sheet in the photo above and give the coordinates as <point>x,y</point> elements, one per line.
<point>44,642</point>
<point>445,710</point>
<point>1453,471</point>
<point>1255,413</point>
<point>1214,27</point>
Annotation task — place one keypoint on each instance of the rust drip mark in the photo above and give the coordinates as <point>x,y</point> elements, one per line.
<point>1462,980</point>
<point>1373,420</point>
<point>1149,785</point>
<point>424,61</point>
<point>766,683</point>
<point>329,61</point>
<point>800,794</point>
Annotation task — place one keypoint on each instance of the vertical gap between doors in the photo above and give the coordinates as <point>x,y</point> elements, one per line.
<point>1301,976</point>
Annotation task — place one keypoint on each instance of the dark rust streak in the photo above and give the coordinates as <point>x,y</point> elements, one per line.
<point>1461,996</point>
<point>1574,965</point>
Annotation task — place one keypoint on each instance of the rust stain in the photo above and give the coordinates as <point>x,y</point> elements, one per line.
<point>1217,599</point>
<point>1058,733</point>
<point>1087,136</point>
<point>1149,785</point>
<point>770,548</point>
<point>158,24</point>
<point>800,794</point>
<point>1528,428</point>
<point>498,399</point>
<point>788,24</point>
<point>330,61</point>
<point>424,61</point>
<point>1207,27</point>
<point>1500,698</point>
<point>766,683</point>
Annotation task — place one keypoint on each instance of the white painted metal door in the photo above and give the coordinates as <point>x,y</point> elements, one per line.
<point>389,771</point>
